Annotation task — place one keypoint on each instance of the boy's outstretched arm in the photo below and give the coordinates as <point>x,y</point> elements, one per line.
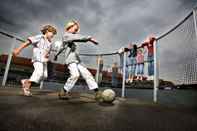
<point>75,38</point>
<point>78,38</point>
<point>21,47</point>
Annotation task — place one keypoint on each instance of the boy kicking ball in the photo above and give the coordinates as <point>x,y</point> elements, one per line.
<point>70,39</point>
<point>41,49</point>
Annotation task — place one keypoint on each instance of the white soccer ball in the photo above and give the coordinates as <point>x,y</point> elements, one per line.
<point>108,95</point>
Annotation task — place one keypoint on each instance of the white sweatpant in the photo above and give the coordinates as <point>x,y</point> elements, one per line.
<point>75,71</point>
<point>40,72</point>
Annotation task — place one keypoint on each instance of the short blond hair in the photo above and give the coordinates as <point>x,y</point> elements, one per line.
<point>71,24</point>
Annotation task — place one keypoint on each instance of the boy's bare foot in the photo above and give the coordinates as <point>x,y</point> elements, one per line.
<point>26,91</point>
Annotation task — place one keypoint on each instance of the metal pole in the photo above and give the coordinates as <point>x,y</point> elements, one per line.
<point>156,72</point>
<point>97,72</point>
<point>124,75</point>
<point>8,63</point>
<point>195,21</point>
<point>195,28</point>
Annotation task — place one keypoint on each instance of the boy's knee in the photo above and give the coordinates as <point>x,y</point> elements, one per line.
<point>89,76</point>
<point>40,74</point>
<point>76,76</point>
<point>45,76</point>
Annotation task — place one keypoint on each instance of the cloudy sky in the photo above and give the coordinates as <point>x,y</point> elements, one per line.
<point>114,23</point>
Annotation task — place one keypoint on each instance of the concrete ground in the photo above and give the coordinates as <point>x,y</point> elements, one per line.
<point>44,111</point>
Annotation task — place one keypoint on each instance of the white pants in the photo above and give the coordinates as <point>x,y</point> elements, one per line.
<point>75,71</point>
<point>40,72</point>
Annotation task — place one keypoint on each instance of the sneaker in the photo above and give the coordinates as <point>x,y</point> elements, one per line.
<point>98,96</point>
<point>64,95</point>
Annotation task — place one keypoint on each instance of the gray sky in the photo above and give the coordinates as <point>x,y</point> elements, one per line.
<point>114,23</point>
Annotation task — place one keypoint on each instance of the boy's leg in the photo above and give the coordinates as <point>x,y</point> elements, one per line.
<point>133,72</point>
<point>88,77</point>
<point>142,71</point>
<point>150,65</point>
<point>26,84</point>
<point>38,73</point>
<point>45,71</point>
<point>90,81</point>
<point>36,77</point>
<point>74,75</point>
<point>138,71</point>
<point>152,68</point>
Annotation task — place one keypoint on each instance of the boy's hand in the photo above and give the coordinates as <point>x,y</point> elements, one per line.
<point>16,52</point>
<point>46,54</point>
<point>22,46</point>
<point>55,58</point>
<point>94,41</point>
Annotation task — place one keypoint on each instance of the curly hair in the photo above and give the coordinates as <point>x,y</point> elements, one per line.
<point>48,28</point>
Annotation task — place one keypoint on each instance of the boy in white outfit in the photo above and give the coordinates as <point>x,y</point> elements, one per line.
<point>70,38</point>
<point>41,50</point>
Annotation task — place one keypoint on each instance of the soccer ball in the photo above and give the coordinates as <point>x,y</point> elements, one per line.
<point>108,95</point>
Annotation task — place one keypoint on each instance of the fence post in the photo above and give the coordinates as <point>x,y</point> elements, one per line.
<point>124,75</point>
<point>8,62</point>
<point>195,21</point>
<point>156,72</point>
<point>97,71</point>
<point>195,28</point>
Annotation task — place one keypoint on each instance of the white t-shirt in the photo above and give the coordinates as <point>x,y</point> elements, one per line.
<point>41,48</point>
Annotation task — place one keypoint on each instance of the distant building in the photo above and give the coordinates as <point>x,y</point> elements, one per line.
<point>22,67</point>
